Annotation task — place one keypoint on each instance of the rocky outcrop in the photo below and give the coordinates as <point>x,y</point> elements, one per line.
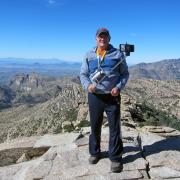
<point>163,155</point>
<point>146,155</point>
<point>25,82</point>
<point>33,88</point>
<point>164,95</point>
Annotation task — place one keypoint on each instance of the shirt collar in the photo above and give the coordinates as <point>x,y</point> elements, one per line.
<point>110,47</point>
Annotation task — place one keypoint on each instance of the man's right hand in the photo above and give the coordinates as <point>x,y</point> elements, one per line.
<point>91,88</point>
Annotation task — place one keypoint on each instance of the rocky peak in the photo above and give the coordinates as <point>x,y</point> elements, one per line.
<point>25,82</point>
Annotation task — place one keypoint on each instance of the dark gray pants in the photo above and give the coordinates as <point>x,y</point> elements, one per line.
<point>98,103</point>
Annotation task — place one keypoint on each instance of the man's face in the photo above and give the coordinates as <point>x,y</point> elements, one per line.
<point>102,40</point>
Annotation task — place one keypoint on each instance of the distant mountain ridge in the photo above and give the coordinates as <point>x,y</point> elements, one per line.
<point>9,67</point>
<point>162,70</point>
<point>35,60</point>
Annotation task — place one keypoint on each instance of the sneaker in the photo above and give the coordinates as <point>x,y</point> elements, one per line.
<point>94,159</point>
<point>116,166</point>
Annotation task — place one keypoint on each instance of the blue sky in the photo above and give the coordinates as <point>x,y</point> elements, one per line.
<point>65,29</point>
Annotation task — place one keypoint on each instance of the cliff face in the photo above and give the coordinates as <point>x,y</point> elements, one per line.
<point>5,97</point>
<point>30,89</point>
<point>25,82</point>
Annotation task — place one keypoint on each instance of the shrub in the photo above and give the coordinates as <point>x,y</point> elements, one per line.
<point>157,117</point>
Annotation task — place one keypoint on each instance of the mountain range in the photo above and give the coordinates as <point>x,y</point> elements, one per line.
<point>9,67</point>
<point>32,103</point>
<point>162,70</point>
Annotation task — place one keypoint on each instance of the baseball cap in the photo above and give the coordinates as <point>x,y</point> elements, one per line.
<point>102,30</point>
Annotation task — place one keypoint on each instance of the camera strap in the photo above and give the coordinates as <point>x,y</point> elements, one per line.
<point>123,58</point>
<point>118,64</point>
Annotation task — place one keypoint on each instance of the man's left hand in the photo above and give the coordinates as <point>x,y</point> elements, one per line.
<point>115,91</point>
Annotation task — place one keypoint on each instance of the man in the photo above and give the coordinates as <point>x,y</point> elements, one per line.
<point>104,73</point>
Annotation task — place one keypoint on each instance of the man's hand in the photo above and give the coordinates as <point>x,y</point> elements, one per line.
<point>91,88</point>
<point>115,91</point>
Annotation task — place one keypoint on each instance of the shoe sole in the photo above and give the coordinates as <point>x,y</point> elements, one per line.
<point>117,170</point>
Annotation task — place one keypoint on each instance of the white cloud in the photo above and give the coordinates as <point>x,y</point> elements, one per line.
<point>51,2</point>
<point>133,34</point>
<point>56,2</point>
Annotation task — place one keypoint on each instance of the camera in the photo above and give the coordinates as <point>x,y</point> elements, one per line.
<point>98,75</point>
<point>126,48</point>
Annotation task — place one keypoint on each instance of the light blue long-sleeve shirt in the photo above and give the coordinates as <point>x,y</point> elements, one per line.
<point>117,77</point>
